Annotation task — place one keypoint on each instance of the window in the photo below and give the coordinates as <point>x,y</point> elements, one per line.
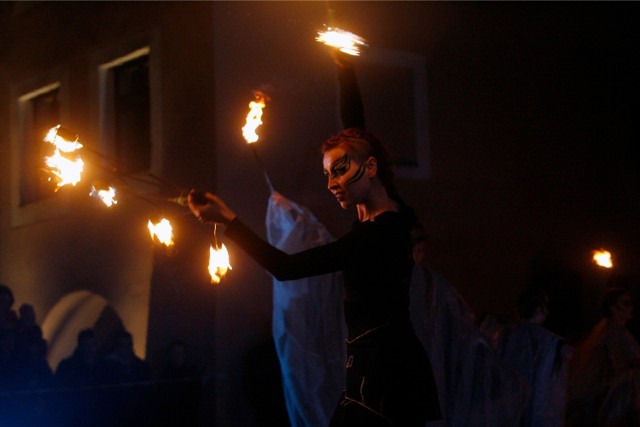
<point>39,112</point>
<point>126,111</point>
<point>397,111</point>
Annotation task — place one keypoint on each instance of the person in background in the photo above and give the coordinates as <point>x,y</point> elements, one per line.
<point>8,316</point>
<point>127,381</point>
<point>389,379</point>
<point>179,388</point>
<point>541,357</point>
<point>79,369</point>
<point>604,375</point>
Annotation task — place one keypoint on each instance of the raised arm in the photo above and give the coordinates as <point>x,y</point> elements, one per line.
<point>351,107</point>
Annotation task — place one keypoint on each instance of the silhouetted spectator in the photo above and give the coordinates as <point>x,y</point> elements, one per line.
<point>541,357</point>
<point>79,369</point>
<point>76,378</point>
<point>179,388</point>
<point>605,376</point>
<point>32,369</point>
<point>28,332</point>
<point>33,382</point>
<point>128,398</point>
<point>7,361</point>
<point>8,317</point>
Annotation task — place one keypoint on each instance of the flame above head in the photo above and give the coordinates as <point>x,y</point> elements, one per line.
<point>162,232</point>
<point>254,118</point>
<point>603,258</point>
<point>342,40</point>
<point>218,263</point>
<point>106,196</point>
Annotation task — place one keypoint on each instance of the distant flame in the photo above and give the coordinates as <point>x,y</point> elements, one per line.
<point>162,232</point>
<point>66,170</point>
<point>106,196</point>
<point>603,258</point>
<point>344,41</point>
<point>218,263</point>
<point>254,119</point>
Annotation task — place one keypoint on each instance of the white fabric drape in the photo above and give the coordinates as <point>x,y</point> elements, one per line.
<point>308,324</point>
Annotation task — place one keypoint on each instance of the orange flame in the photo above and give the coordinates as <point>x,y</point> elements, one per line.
<point>342,40</point>
<point>65,169</point>
<point>602,258</point>
<point>162,232</point>
<point>67,146</point>
<point>218,263</point>
<point>108,196</point>
<point>254,119</point>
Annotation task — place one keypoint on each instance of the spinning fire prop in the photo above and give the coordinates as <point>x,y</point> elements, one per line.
<point>108,196</point>
<point>65,165</point>
<point>218,260</point>
<point>603,258</point>
<point>162,232</point>
<point>254,119</point>
<point>342,40</point>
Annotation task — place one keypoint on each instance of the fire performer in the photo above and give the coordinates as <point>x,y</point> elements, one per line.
<point>389,380</point>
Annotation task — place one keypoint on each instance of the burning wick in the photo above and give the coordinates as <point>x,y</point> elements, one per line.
<point>66,170</point>
<point>342,40</point>
<point>162,232</point>
<point>218,260</point>
<point>63,139</point>
<point>106,196</point>
<point>254,119</point>
<point>602,258</point>
<point>218,263</point>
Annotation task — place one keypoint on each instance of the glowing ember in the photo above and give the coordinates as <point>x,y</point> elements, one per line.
<point>66,170</point>
<point>106,196</point>
<point>254,119</point>
<point>162,232</point>
<point>218,263</point>
<point>603,258</point>
<point>344,41</point>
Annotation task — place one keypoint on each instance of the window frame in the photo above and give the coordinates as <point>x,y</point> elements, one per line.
<point>22,93</point>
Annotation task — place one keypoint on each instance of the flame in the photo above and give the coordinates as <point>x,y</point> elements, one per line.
<point>65,169</point>
<point>254,119</point>
<point>218,263</point>
<point>162,232</point>
<point>67,146</point>
<point>344,41</point>
<point>106,196</point>
<point>603,258</point>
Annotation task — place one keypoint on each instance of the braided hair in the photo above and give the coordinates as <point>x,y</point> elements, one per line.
<point>362,145</point>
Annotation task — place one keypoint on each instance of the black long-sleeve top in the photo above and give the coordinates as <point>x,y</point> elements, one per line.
<point>374,258</point>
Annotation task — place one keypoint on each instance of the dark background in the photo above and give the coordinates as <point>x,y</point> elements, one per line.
<point>532,125</point>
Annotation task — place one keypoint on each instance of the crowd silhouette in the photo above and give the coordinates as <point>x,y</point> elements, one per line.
<point>93,386</point>
<point>518,374</point>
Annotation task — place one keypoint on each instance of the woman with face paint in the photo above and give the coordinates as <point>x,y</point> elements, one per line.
<point>389,381</point>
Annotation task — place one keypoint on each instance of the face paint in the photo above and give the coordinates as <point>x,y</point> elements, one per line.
<point>341,166</point>
<point>359,173</point>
